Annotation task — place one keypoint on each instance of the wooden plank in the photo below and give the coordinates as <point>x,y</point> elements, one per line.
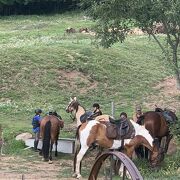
<point>65,145</point>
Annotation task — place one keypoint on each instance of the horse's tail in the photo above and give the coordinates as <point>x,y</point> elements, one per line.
<point>46,139</point>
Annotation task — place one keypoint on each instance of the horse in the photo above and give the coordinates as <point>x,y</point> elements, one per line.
<point>158,123</point>
<point>49,130</point>
<point>77,111</point>
<point>95,131</point>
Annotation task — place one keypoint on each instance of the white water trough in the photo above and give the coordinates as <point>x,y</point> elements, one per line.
<point>65,145</point>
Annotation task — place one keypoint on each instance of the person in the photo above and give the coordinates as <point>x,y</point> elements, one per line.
<point>36,127</point>
<point>138,113</point>
<point>123,116</point>
<point>96,111</point>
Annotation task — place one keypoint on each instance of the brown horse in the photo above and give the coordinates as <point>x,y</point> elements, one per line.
<point>157,122</point>
<point>49,128</point>
<point>94,131</point>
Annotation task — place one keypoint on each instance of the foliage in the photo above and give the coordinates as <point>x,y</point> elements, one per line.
<point>113,19</point>
<point>9,7</point>
<point>14,147</point>
<point>175,130</point>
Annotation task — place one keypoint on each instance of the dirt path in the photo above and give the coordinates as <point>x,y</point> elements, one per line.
<point>16,168</point>
<point>31,166</point>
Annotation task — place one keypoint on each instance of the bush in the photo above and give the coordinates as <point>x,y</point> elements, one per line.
<point>13,147</point>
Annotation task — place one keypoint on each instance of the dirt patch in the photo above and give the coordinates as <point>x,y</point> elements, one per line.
<point>76,81</point>
<point>167,95</point>
<point>32,167</point>
<point>14,168</point>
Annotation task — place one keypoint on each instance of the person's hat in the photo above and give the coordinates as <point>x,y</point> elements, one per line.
<point>96,105</point>
<point>38,111</point>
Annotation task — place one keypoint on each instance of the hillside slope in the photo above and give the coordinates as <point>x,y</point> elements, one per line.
<point>42,66</point>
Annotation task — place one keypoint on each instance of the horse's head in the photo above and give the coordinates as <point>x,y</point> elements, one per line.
<point>73,105</point>
<point>61,123</point>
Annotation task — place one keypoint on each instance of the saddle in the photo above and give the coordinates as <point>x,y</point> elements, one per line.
<point>167,117</point>
<point>166,114</point>
<point>119,129</point>
<point>86,116</point>
<point>54,114</point>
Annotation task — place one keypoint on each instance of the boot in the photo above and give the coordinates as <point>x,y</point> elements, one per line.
<point>36,145</point>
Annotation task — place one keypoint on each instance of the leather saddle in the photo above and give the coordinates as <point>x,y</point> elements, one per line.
<point>86,116</point>
<point>119,129</point>
<point>167,117</point>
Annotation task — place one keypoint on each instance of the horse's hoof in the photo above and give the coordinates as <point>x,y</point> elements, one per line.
<point>50,162</point>
<point>74,175</point>
<point>78,176</point>
<point>45,160</point>
<point>154,168</point>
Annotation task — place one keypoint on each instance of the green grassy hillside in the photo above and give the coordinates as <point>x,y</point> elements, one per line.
<point>42,66</point>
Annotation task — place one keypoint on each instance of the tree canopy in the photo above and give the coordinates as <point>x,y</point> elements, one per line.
<point>114,19</point>
<point>9,7</point>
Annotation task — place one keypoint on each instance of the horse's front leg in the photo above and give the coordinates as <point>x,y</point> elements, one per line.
<point>50,153</point>
<point>168,139</point>
<point>78,160</point>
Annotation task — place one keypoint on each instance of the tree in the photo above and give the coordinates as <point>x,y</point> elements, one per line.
<point>113,18</point>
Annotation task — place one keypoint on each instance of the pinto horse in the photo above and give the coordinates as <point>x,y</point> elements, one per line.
<point>49,128</point>
<point>158,122</point>
<point>77,111</point>
<point>95,132</point>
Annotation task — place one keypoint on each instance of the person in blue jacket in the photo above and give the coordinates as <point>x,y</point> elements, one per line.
<point>36,127</point>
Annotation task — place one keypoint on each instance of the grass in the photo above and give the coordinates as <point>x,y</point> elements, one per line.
<point>35,54</point>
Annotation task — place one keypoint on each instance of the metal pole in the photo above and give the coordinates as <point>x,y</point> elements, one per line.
<point>112,157</point>
<point>112,109</point>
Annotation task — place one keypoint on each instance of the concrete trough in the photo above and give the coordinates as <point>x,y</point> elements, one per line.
<point>65,145</point>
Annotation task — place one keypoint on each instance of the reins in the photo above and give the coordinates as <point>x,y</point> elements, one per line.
<point>72,117</point>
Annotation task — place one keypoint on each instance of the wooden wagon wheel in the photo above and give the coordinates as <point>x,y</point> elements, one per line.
<point>129,166</point>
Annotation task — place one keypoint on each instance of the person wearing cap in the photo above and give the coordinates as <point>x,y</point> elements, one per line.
<point>36,127</point>
<point>137,114</point>
<point>96,111</point>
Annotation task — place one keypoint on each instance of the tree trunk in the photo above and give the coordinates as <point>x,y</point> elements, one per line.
<point>176,68</point>
<point>177,80</point>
